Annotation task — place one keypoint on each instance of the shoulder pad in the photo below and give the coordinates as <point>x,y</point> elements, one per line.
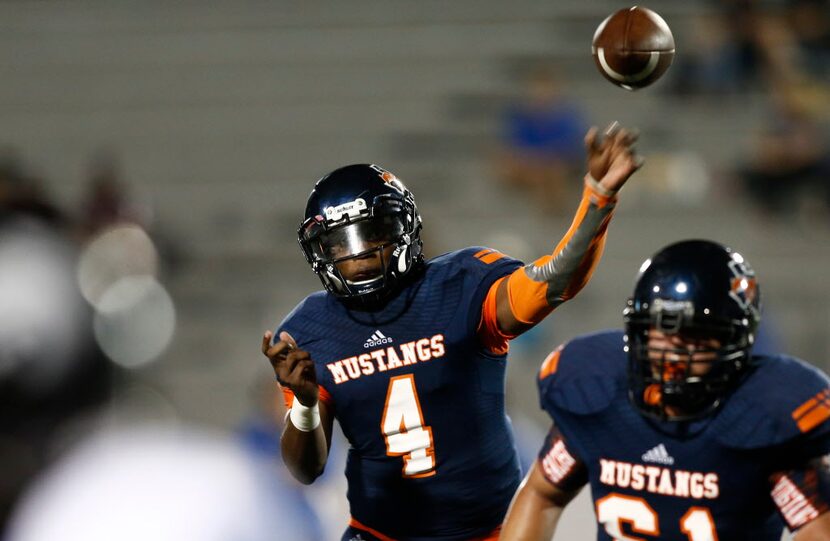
<point>781,399</point>
<point>584,375</point>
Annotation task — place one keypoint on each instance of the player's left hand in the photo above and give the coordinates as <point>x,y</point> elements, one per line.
<point>612,158</point>
<point>292,366</point>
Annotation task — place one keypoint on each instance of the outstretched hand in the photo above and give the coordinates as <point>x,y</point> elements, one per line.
<point>612,158</point>
<point>293,367</point>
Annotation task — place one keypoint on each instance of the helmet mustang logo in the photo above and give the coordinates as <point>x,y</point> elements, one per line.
<point>743,287</point>
<point>390,178</point>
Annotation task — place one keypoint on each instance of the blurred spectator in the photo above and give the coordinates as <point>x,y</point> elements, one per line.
<point>261,432</point>
<point>743,45</point>
<point>542,142</point>
<point>108,204</point>
<point>261,429</point>
<point>741,18</point>
<point>106,201</point>
<point>790,158</point>
<point>810,22</point>
<point>787,68</point>
<point>718,60</point>
<point>21,194</point>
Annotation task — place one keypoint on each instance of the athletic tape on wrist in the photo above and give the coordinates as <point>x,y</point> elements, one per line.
<point>598,188</point>
<point>303,418</point>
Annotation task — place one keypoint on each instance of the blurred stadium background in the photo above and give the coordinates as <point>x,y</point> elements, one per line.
<point>173,146</point>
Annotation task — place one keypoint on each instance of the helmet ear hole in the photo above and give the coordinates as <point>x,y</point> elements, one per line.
<point>402,262</point>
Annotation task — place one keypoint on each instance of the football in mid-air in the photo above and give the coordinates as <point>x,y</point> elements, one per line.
<point>633,47</point>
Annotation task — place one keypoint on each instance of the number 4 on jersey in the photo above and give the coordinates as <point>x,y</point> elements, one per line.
<point>403,428</point>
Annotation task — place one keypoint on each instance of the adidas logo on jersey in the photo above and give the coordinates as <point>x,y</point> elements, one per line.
<point>659,455</point>
<point>377,339</point>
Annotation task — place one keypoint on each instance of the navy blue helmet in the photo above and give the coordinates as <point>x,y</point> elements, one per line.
<point>355,211</point>
<point>704,292</point>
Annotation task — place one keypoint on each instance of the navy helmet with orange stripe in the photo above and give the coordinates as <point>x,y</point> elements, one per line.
<point>703,299</point>
<point>357,212</point>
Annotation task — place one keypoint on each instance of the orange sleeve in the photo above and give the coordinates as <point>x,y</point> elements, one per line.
<point>536,289</point>
<point>489,333</point>
<point>288,395</point>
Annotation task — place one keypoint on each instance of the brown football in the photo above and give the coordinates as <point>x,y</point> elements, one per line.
<point>633,47</point>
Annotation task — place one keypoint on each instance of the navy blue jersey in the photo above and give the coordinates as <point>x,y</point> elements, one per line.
<point>738,472</point>
<point>420,401</point>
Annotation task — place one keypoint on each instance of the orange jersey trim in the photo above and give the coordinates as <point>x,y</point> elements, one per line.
<point>813,412</point>
<point>810,404</point>
<point>354,523</point>
<point>288,396</point>
<point>488,256</point>
<point>492,536</point>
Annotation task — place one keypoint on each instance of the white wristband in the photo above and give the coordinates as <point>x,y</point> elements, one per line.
<point>303,418</point>
<point>597,187</point>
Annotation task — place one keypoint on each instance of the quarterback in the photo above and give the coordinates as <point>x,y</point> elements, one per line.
<point>409,355</point>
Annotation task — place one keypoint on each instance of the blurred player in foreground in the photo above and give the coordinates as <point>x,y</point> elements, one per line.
<point>70,468</point>
<point>409,355</point>
<point>165,483</point>
<point>680,431</point>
